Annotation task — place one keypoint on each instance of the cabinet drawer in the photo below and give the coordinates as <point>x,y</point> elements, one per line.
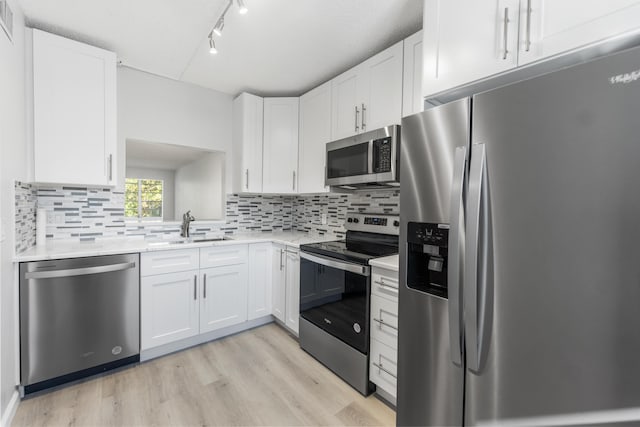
<point>218,256</point>
<point>384,321</point>
<point>172,261</point>
<point>383,367</point>
<point>384,283</point>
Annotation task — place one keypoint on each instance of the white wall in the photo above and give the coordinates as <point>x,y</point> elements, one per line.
<point>152,108</point>
<point>200,188</point>
<point>168,178</point>
<point>13,165</point>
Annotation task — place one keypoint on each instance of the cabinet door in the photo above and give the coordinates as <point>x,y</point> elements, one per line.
<point>247,143</point>
<point>315,133</point>
<point>280,165</point>
<point>260,261</point>
<point>465,41</point>
<point>553,27</point>
<point>293,289</point>
<point>74,112</point>
<point>380,88</point>
<point>412,102</point>
<point>278,283</point>
<point>223,299</point>
<point>168,308</point>
<point>345,104</point>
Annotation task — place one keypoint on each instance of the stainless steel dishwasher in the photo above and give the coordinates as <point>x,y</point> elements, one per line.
<point>78,317</point>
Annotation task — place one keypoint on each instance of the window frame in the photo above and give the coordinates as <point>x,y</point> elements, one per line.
<point>139,217</point>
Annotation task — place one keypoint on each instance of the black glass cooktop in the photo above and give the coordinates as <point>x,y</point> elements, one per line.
<point>357,247</point>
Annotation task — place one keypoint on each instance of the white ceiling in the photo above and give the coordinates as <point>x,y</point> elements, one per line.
<point>279,48</point>
<point>153,155</point>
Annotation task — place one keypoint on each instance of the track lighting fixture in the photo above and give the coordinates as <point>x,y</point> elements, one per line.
<point>217,29</point>
<point>242,8</point>
<point>212,45</point>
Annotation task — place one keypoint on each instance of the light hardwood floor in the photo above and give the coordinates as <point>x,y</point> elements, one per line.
<point>258,377</point>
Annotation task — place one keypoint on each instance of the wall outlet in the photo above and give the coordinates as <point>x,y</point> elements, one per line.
<point>323,219</point>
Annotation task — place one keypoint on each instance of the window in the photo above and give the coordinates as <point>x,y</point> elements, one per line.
<point>143,198</point>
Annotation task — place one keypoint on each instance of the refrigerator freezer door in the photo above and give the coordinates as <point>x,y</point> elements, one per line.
<point>430,385</point>
<point>562,337</point>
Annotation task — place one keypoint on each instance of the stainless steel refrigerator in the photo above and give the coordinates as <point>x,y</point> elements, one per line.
<point>520,253</point>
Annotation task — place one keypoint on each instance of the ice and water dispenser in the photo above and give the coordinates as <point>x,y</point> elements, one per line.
<point>427,257</point>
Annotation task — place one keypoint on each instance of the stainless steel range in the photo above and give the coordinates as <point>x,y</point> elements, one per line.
<point>335,290</point>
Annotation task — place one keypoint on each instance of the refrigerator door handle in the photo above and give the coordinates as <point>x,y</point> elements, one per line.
<point>456,249</point>
<point>478,278</point>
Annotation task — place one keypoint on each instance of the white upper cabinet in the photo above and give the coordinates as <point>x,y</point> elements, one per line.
<point>345,111</point>
<point>551,27</point>
<point>369,95</point>
<point>247,143</point>
<point>315,133</point>
<point>280,160</point>
<point>412,102</point>
<point>466,41</point>
<point>382,98</point>
<point>74,112</point>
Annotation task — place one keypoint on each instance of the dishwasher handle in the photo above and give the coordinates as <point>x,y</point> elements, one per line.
<point>51,274</point>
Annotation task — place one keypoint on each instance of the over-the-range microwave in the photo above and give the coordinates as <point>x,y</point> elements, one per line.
<point>369,159</point>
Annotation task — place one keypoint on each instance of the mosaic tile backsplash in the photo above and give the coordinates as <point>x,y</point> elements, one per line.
<point>25,216</point>
<point>89,213</point>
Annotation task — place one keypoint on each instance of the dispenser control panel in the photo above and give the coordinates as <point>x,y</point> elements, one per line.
<point>428,233</point>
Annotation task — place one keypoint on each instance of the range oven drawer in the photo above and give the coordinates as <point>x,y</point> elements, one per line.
<point>336,301</point>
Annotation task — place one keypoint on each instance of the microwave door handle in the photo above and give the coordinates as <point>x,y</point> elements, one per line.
<point>370,157</point>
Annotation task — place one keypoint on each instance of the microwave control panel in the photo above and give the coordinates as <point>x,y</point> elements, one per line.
<point>382,155</point>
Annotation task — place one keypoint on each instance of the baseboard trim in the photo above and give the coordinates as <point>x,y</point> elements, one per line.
<point>163,350</point>
<point>10,410</point>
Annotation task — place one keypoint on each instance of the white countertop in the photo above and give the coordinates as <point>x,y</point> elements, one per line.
<point>391,262</point>
<point>57,249</point>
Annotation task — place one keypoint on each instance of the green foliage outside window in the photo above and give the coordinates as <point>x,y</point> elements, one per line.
<point>143,198</point>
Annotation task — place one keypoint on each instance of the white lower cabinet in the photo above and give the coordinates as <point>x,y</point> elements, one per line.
<point>383,367</point>
<point>293,289</point>
<point>223,300</point>
<point>169,308</point>
<point>286,286</point>
<point>259,280</point>
<point>278,285</point>
<point>383,358</point>
<point>188,292</point>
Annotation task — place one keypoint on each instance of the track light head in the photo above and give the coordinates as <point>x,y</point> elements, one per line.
<point>242,8</point>
<point>212,45</point>
<point>219,27</point>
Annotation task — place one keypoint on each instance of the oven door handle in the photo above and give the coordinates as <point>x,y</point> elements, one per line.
<point>362,270</point>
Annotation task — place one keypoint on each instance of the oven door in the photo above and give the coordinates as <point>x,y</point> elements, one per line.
<point>334,296</point>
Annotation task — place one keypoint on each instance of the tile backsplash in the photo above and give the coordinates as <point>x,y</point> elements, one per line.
<point>25,212</point>
<point>88,213</point>
<point>335,206</point>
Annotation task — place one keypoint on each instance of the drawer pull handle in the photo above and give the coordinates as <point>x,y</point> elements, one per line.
<point>388,287</point>
<point>382,323</point>
<point>380,368</point>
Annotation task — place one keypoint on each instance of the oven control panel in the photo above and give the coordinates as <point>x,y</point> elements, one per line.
<point>373,223</point>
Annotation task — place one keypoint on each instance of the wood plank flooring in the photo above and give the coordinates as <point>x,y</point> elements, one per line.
<point>260,377</point>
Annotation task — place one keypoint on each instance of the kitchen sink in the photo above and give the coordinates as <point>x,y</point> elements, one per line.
<point>212,239</point>
<point>182,242</point>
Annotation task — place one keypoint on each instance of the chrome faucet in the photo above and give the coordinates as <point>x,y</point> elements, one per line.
<point>186,220</point>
